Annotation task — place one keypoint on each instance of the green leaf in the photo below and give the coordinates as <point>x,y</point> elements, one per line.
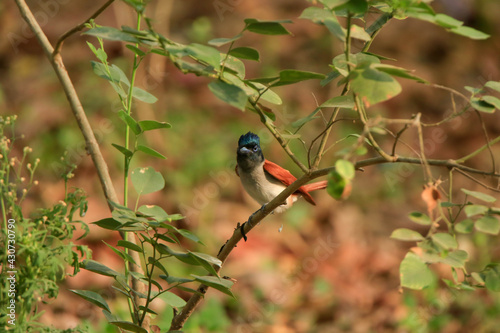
<point>336,185</point>
<point>155,212</point>
<point>147,180</point>
<point>488,224</point>
<point>398,71</point>
<point>136,50</point>
<point>208,258</point>
<point>359,33</point>
<point>150,151</point>
<point>479,195</point>
<point>356,6</point>
<point>114,74</point>
<point>222,285</point>
<point>379,23</point>
<point>175,280</point>
<point>149,125</point>
<point>492,100</point>
<point>270,96</point>
<point>405,234</point>
<point>229,93</point>
<point>372,85</point>
<point>291,76</point>
<point>447,21</point>
<point>482,105</point>
<point>123,150</point>
<point>491,277</point>
<point>129,245</point>
<point>327,18</point>
<point>127,119</point>
<point>414,273</point>
<point>189,235</point>
<point>345,169</point>
<point>464,226</point>
<point>302,121</point>
<point>97,267</point>
<point>143,96</point>
<point>420,218</point>
<point>99,53</point>
<point>245,53</point>
<point>267,27</point>
<point>182,256</point>
<point>345,101</point>
<point>125,256</point>
<point>206,261</point>
<point>129,326</point>
<point>205,53</point>
<point>456,259</point>
<point>223,41</point>
<point>470,32</point>
<point>333,3</point>
<point>172,299</point>
<point>92,297</point>
<point>330,77</point>
<point>445,240</point>
<point>471,210</point>
<point>111,33</point>
<point>108,223</point>
<point>495,85</point>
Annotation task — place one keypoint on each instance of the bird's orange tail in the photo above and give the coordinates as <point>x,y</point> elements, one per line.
<point>315,186</point>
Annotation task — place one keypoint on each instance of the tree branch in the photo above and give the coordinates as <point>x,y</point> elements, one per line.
<point>72,96</point>
<point>181,317</point>
<point>79,27</point>
<point>91,144</point>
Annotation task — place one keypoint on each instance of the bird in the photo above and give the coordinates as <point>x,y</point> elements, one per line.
<point>263,180</point>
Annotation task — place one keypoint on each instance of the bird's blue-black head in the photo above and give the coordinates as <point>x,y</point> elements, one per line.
<point>249,154</point>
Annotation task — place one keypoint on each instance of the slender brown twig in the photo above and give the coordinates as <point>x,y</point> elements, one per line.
<point>60,41</point>
<point>92,146</point>
<point>196,298</point>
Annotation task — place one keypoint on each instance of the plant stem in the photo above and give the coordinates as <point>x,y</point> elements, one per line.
<point>479,150</point>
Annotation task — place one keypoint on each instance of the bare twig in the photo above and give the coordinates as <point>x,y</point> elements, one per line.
<point>60,41</point>
<point>278,137</point>
<point>477,151</point>
<point>487,139</point>
<point>478,181</point>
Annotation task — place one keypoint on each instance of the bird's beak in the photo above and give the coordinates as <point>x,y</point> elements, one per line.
<point>245,150</point>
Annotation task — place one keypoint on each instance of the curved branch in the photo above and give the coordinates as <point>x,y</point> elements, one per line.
<point>91,144</point>
<point>60,41</point>
<point>195,299</point>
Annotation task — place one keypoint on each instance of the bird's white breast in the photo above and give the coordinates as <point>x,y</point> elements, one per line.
<point>263,187</point>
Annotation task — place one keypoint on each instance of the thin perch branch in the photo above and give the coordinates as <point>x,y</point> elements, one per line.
<point>181,317</point>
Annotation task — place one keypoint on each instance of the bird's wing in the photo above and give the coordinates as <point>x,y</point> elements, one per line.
<point>284,176</point>
<point>281,174</point>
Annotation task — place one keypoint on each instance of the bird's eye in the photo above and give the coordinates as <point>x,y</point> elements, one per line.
<point>255,148</point>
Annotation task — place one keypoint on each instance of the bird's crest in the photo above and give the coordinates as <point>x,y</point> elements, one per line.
<point>249,138</point>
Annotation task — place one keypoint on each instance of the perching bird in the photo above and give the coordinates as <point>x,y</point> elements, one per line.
<point>263,179</point>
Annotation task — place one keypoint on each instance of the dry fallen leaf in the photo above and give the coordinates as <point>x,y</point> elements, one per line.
<point>431,195</point>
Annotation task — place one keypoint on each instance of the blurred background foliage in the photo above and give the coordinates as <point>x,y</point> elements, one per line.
<point>333,268</point>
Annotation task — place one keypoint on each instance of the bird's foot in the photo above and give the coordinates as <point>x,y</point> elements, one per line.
<point>249,221</point>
